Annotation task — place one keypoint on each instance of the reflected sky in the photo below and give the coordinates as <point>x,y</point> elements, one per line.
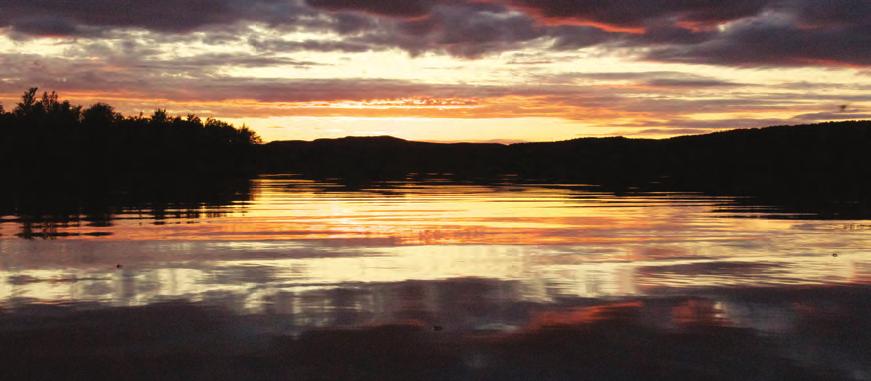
<point>551,241</point>
<point>474,278</point>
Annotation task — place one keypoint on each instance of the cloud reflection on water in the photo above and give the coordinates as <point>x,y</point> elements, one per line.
<point>387,331</point>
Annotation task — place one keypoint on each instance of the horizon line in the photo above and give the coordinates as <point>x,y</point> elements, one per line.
<point>508,142</point>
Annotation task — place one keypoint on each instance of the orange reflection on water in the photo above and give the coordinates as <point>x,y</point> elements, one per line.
<point>583,315</point>
<point>550,242</point>
<point>415,214</point>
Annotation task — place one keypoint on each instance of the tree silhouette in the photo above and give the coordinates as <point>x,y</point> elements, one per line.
<point>100,115</point>
<point>44,136</point>
<point>57,113</point>
<point>28,105</point>
<point>159,118</point>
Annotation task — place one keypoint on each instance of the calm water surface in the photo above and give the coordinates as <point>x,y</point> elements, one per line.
<point>473,281</point>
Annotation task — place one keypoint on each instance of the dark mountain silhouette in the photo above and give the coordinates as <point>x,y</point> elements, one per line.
<point>819,158</point>
<point>816,156</point>
<point>381,157</point>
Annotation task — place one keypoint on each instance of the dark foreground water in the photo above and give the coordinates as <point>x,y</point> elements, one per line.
<point>296,279</point>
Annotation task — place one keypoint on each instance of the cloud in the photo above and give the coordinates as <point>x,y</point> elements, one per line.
<point>739,33</point>
<point>662,79</point>
<point>785,40</point>
<point>261,57</point>
<point>397,8</point>
<point>150,77</point>
<point>464,30</point>
<point>136,76</point>
<point>825,115</point>
<point>281,45</point>
<point>670,131</point>
<point>633,16</point>
<point>726,123</point>
<point>690,83</point>
<point>87,16</point>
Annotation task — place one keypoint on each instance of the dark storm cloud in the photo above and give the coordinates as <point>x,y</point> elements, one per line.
<point>462,31</point>
<point>41,17</point>
<point>398,8</point>
<point>459,28</point>
<point>763,42</point>
<point>639,13</point>
<point>762,32</point>
<point>739,32</point>
<point>465,38</point>
<point>91,17</point>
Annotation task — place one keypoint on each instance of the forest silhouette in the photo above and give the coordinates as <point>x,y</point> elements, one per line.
<point>44,137</point>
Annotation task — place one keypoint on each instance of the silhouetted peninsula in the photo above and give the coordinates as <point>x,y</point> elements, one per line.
<point>829,158</point>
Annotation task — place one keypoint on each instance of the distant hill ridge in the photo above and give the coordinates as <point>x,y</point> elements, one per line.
<point>740,131</point>
<point>831,157</point>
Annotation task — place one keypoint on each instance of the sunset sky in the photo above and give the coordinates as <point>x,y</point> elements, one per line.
<point>450,70</point>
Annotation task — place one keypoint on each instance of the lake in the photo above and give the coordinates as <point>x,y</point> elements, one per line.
<point>435,279</point>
